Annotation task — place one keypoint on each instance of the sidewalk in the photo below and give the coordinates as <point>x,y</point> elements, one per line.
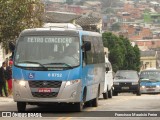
<point>4,100</point>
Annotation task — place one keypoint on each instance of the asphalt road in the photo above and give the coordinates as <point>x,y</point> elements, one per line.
<point>117,108</point>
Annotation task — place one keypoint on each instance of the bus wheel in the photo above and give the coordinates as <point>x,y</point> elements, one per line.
<point>110,93</point>
<point>88,104</point>
<point>95,100</point>
<point>21,106</point>
<point>105,95</point>
<point>79,106</point>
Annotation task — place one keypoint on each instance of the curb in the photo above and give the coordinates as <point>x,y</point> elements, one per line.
<point>6,99</point>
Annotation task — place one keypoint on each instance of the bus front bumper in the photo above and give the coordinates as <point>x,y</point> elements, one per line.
<point>65,94</point>
<point>145,89</point>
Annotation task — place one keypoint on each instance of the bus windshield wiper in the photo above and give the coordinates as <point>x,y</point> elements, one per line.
<point>27,61</point>
<point>59,64</point>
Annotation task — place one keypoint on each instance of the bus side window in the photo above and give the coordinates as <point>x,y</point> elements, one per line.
<point>101,50</point>
<point>87,55</point>
<point>84,58</point>
<point>84,55</point>
<point>95,50</point>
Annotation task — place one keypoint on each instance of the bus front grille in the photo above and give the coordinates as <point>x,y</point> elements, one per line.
<point>45,84</point>
<point>44,95</point>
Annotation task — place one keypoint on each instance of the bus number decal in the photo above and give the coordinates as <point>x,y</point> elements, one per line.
<point>54,75</point>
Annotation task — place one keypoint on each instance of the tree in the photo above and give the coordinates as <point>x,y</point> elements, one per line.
<point>115,27</point>
<point>137,59</point>
<point>17,15</point>
<point>114,45</point>
<point>129,54</point>
<point>122,54</point>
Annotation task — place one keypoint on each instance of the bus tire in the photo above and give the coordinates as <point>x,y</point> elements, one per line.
<point>79,106</point>
<point>88,104</point>
<point>110,93</point>
<point>105,95</point>
<point>21,106</point>
<point>95,100</point>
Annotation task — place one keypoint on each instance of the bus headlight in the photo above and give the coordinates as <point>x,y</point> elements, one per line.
<point>21,82</point>
<point>142,86</point>
<point>157,86</point>
<point>68,83</point>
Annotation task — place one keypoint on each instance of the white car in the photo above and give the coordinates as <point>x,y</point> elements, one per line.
<point>108,86</point>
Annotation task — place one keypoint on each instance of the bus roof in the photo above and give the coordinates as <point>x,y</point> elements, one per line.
<point>48,31</point>
<point>58,29</point>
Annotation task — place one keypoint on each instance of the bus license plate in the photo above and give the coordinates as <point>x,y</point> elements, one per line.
<point>150,89</point>
<point>44,90</point>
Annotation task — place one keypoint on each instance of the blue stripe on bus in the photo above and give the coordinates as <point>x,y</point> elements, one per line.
<point>64,75</point>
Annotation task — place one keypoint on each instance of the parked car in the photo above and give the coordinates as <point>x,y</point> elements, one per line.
<point>150,81</point>
<point>126,81</point>
<point>108,83</point>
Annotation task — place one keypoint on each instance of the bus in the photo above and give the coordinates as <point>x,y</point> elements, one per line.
<point>58,63</point>
<point>150,81</point>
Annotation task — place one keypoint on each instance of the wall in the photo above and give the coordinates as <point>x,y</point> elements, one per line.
<point>148,62</point>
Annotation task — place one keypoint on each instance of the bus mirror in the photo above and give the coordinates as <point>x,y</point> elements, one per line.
<point>11,46</point>
<point>86,46</point>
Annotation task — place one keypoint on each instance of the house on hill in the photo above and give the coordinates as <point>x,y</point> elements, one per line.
<point>59,17</point>
<point>150,59</point>
<point>90,23</point>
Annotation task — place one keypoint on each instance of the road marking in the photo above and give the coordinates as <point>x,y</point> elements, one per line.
<point>64,118</point>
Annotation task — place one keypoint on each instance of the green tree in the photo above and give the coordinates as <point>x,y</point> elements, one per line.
<point>129,55</point>
<point>17,15</point>
<point>137,59</point>
<point>114,45</point>
<point>122,54</point>
<point>115,27</point>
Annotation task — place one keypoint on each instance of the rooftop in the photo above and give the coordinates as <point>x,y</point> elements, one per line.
<point>87,21</point>
<point>148,53</point>
<point>59,17</point>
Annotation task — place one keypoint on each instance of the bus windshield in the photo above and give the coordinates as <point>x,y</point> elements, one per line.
<point>150,76</point>
<point>48,51</point>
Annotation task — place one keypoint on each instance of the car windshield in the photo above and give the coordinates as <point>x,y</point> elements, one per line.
<point>126,75</point>
<point>48,51</point>
<point>150,76</point>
